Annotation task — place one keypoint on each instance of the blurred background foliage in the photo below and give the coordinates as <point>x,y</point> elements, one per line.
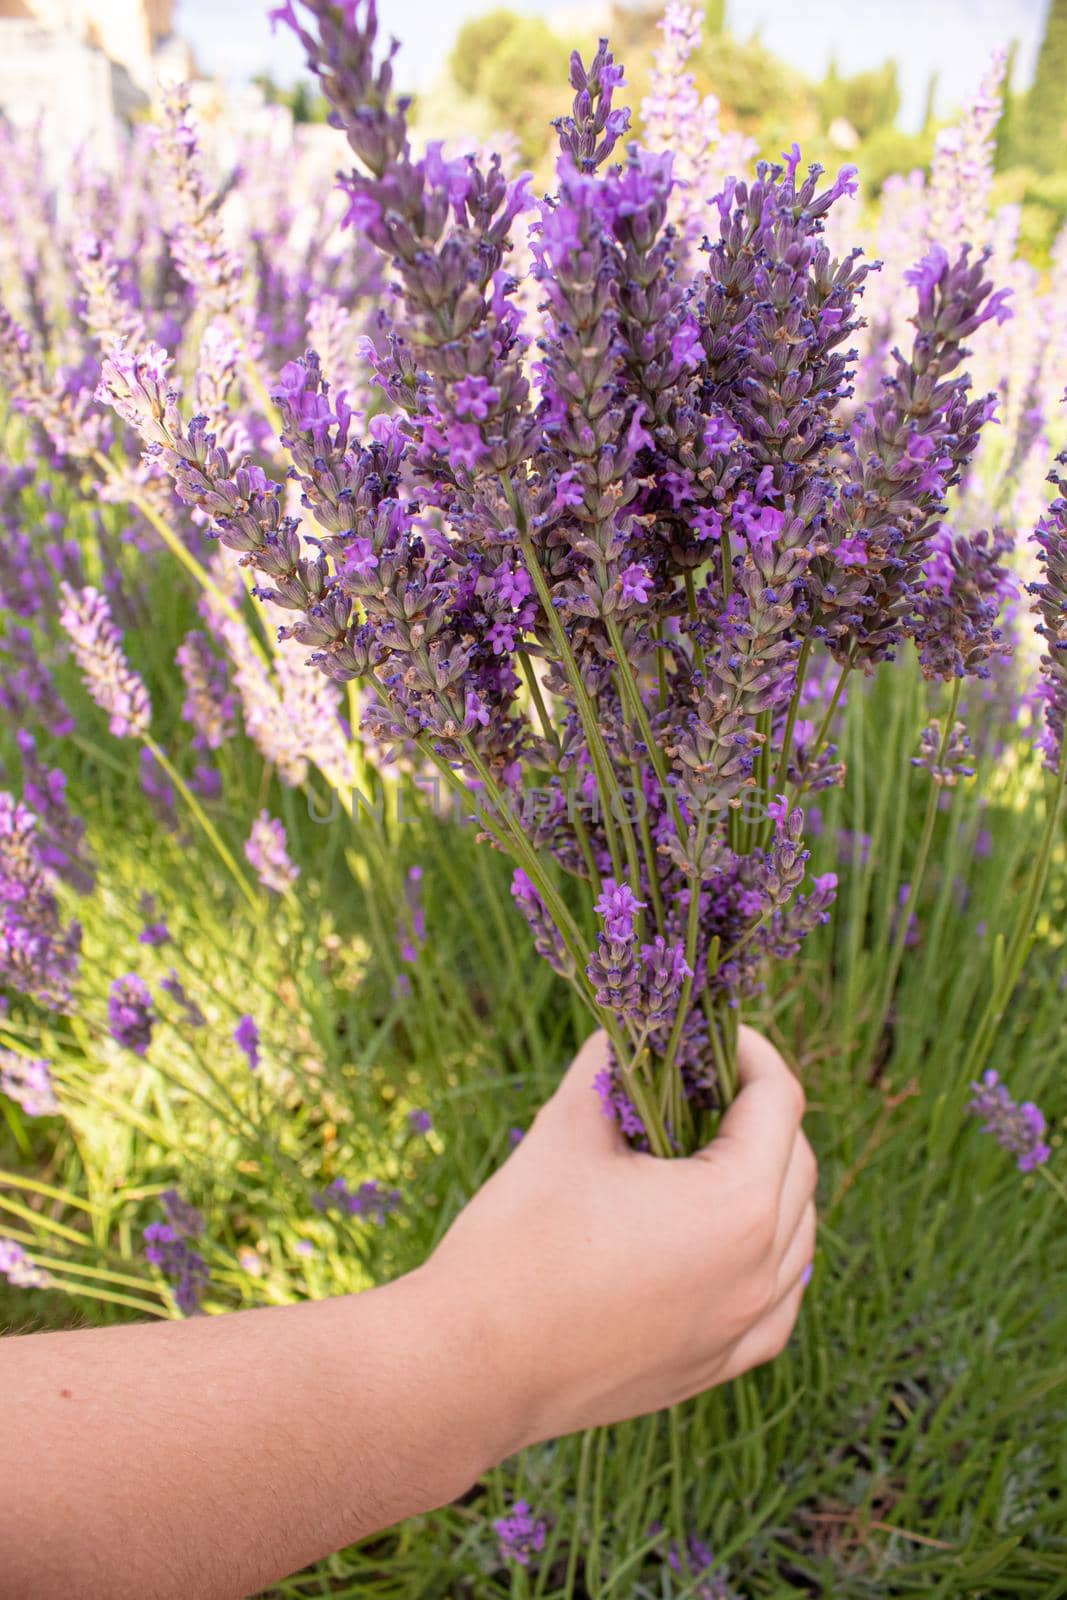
<point>508,70</point>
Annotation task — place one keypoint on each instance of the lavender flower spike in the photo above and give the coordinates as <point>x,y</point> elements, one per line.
<point>266,850</point>
<point>246,1038</point>
<point>521,1534</point>
<point>131,1014</point>
<point>1019,1128</point>
<point>29,1083</point>
<point>108,676</point>
<point>1050,601</point>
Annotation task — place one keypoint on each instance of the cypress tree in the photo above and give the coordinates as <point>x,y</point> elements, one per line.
<point>1043,124</point>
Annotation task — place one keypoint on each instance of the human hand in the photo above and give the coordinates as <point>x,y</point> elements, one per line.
<point>601,1283</point>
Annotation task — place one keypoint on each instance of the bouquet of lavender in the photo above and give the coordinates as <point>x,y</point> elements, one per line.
<point>609,575</point>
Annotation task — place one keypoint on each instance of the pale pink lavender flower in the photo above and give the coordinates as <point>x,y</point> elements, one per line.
<point>28,1081</point>
<point>209,704</point>
<point>266,849</point>
<point>38,953</point>
<point>107,675</point>
<point>679,120</point>
<point>18,1269</point>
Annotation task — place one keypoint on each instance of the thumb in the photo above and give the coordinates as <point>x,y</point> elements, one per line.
<point>577,1109</point>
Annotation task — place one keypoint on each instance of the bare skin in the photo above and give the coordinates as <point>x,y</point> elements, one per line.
<point>584,1283</point>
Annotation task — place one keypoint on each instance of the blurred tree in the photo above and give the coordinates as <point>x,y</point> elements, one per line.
<point>930,102</point>
<point>889,151</point>
<point>1006,153</point>
<point>867,100</point>
<point>524,81</point>
<point>752,84</point>
<point>714,18</point>
<point>1043,122</point>
<point>303,100</point>
<point>475,45</point>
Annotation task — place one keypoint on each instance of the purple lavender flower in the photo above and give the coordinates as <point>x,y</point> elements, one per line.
<point>946,766</point>
<point>412,925</point>
<point>131,1014</point>
<point>192,1015</point>
<point>108,676</point>
<point>28,1082</point>
<point>246,1038</point>
<point>521,1535</point>
<point>1050,597</point>
<point>266,850</point>
<point>370,1199</point>
<point>1019,1128</point>
<point>158,788</point>
<point>27,690</point>
<point>167,1247</point>
<point>419,1121</point>
<point>616,1104</point>
<point>60,835</point>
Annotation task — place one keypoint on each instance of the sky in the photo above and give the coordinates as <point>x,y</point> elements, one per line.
<point>952,37</point>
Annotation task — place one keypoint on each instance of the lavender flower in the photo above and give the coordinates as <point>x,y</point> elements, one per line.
<point>246,1038</point>
<point>60,835</point>
<point>412,926</point>
<point>192,1015</point>
<point>131,1015</point>
<point>28,1082</point>
<point>1019,1128</point>
<point>419,1121</point>
<point>949,764</point>
<point>209,705</point>
<point>200,250</point>
<point>167,1247</point>
<point>27,689</point>
<point>370,1199</point>
<point>38,954</point>
<point>108,676</point>
<point>677,119</point>
<point>266,851</point>
<point>521,1535</point>
<point>18,1269</point>
<point>1050,595</point>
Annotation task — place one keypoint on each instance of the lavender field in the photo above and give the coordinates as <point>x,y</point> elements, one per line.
<point>446,608</point>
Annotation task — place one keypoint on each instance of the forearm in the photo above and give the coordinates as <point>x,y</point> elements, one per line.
<point>214,1456</point>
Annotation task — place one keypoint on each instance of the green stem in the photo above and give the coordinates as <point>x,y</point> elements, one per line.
<point>581,1492</point>
<point>637,705</point>
<point>1018,950</point>
<point>896,954</point>
<point>173,543</point>
<point>597,749</point>
<point>824,727</point>
<point>791,721</point>
<point>205,822</point>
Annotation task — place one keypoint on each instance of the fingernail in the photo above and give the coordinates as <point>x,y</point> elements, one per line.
<point>805,1276</point>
